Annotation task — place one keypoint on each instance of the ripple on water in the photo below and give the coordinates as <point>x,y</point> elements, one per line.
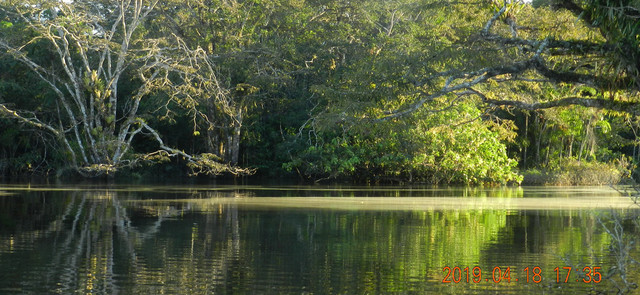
<point>356,241</point>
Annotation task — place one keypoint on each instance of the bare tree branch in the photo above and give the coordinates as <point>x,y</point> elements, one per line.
<point>201,164</point>
<point>598,103</point>
<point>4,111</point>
<point>493,19</point>
<point>94,46</point>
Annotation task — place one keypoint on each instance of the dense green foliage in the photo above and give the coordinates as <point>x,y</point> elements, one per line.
<point>368,91</point>
<point>452,146</point>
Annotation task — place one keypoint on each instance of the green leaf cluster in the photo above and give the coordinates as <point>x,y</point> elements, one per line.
<point>445,147</point>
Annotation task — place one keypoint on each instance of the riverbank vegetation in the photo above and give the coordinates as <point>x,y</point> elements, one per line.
<point>403,91</point>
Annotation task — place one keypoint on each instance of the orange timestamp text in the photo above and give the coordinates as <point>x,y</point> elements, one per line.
<point>529,274</point>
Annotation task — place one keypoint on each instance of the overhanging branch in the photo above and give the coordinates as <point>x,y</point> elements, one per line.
<point>472,79</point>
<point>599,103</point>
<point>465,81</point>
<point>5,112</point>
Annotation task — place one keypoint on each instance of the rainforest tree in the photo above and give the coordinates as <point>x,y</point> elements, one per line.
<point>93,49</point>
<point>374,90</point>
<point>379,51</point>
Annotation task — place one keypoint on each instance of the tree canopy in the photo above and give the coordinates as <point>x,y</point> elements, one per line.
<point>433,90</point>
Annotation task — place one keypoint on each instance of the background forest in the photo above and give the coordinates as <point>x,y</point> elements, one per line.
<point>370,91</point>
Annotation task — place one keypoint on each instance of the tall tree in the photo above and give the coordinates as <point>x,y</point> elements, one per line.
<point>597,48</point>
<point>96,47</point>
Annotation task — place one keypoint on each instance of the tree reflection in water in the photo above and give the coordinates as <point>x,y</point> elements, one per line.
<point>226,241</point>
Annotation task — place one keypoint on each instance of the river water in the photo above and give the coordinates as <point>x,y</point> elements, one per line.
<point>220,239</point>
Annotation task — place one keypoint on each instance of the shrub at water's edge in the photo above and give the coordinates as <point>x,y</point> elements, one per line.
<point>575,172</point>
<point>441,148</point>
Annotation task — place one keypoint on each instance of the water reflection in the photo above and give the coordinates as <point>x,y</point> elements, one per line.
<point>254,240</point>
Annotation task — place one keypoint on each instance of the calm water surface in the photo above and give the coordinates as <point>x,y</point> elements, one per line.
<point>310,239</point>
